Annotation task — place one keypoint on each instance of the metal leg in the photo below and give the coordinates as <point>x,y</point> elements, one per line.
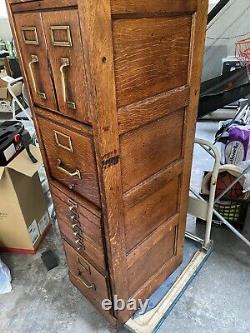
<point>213,151</point>
<point>223,220</point>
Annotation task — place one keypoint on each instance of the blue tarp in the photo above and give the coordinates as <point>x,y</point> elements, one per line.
<point>5,279</point>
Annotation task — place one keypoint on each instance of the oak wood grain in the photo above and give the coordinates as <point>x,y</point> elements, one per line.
<point>152,184</point>
<point>42,79</point>
<point>84,271</point>
<point>81,158</point>
<point>141,7</point>
<point>147,150</point>
<point>150,56</point>
<point>75,72</point>
<point>86,293</point>
<point>141,64</point>
<point>89,224</point>
<point>156,256</point>
<point>143,218</point>
<point>140,113</point>
<point>96,26</point>
<point>85,207</point>
<point>52,117</point>
<point>152,239</point>
<point>157,279</point>
<point>26,6</point>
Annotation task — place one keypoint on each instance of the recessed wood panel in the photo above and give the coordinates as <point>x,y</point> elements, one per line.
<point>157,254</point>
<point>152,211</point>
<point>151,148</point>
<point>150,56</point>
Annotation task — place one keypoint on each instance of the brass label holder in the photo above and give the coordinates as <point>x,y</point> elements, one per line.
<point>68,147</point>
<point>65,43</point>
<point>34,41</point>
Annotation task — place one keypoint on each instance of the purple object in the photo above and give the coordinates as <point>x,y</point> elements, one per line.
<point>237,145</point>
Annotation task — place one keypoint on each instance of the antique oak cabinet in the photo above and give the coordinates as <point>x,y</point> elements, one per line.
<point>114,87</point>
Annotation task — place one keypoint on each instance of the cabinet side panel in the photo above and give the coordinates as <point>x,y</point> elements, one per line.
<point>157,63</point>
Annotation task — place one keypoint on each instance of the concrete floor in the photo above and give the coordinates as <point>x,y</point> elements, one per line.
<point>218,299</point>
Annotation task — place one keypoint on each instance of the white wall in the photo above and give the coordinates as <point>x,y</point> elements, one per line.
<point>212,3</point>
<point>230,25</point>
<point>5,32</point>
<point>3,10</point>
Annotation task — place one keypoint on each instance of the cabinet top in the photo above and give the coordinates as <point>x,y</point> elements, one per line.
<point>118,7</point>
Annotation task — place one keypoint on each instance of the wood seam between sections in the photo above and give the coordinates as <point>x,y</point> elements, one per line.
<point>171,263</point>
<point>140,117</point>
<point>174,169</point>
<point>142,247</point>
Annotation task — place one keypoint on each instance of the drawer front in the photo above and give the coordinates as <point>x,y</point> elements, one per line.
<point>79,232</point>
<point>83,246</point>
<point>33,50</point>
<point>72,211</point>
<point>71,159</point>
<point>62,30</point>
<point>91,280</point>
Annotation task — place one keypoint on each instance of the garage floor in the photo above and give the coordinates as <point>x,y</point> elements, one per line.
<point>216,301</point>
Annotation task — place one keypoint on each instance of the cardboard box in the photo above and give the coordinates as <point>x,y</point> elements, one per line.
<point>24,218</point>
<point>4,81</point>
<point>16,87</point>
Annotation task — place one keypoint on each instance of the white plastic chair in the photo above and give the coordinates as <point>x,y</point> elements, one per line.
<point>16,88</point>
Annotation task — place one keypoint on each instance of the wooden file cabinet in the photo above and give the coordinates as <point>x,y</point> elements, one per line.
<point>114,87</point>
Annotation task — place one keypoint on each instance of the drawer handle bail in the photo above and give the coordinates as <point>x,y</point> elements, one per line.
<point>64,64</point>
<point>88,286</point>
<point>35,60</point>
<point>66,172</point>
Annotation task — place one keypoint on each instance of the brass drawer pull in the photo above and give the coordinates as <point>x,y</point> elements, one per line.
<point>35,60</point>
<point>78,242</point>
<point>77,233</point>
<point>74,220</point>
<point>84,265</point>
<point>64,64</point>
<point>72,203</point>
<point>66,172</point>
<point>86,284</point>
<point>79,245</point>
<point>76,228</point>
